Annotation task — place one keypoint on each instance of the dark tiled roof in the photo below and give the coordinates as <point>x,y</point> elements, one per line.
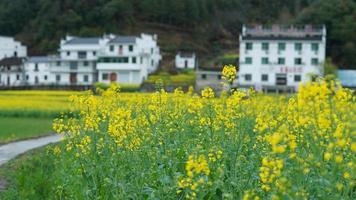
<point>251,37</point>
<point>123,40</point>
<point>39,59</point>
<point>84,40</point>
<point>11,61</point>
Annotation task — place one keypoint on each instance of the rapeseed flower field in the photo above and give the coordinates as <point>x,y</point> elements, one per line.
<point>27,114</point>
<point>241,145</point>
<point>34,103</point>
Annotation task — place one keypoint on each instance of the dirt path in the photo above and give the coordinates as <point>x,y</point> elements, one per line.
<point>11,150</point>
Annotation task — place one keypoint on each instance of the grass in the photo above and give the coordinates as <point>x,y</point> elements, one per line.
<point>13,128</point>
<point>28,176</point>
<point>179,79</point>
<point>27,114</point>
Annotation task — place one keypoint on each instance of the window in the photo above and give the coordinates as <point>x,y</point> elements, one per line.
<point>15,54</point>
<point>94,53</point>
<point>73,65</point>
<point>58,63</point>
<point>82,54</point>
<point>151,50</point>
<point>68,53</point>
<point>297,61</point>
<point>133,59</point>
<point>219,77</point>
<point>36,67</point>
<point>152,63</point>
<point>203,76</point>
<point>58,77</point>
<point>265,46</point>
<point>281,61</point>
<point>297,78</point>
<point>264,61</point>
<point>45,77</point>
<point>86,63</point>
<point>141,60</point>
<point>264,77</point>
<point>111,48</point>
<point>281,46</point>
<point>314,61</point>
<point>248,77</point>
<point>314,46</point>
<point>105,76</point>
<point>248,46</point>
<point>27,77</point>
<point>17,77</point>
<point>248,60</point>
<point>298,46</point>
<point>86,78</point>
<point>114,60</point>
<point>130,48</point>
<point>281,79</point>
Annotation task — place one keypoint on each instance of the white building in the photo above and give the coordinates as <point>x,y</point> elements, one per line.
<point>84,61</point>
<point>9,47</point>
<point>76,63</point>
<point>279,57</point>
<point>11,71</point>
<point>128,59</point>
<point>37,71</point>
<point>185,60</point>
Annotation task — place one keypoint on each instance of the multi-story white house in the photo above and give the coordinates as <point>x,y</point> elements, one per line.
<point>84,61</point>
<point>11,71</point>
<point>280,57</point>
<point>185,60</point>
<point>76,62</point>
<point>37,71</point>
<point>9,47</point>
<point>128,59</point>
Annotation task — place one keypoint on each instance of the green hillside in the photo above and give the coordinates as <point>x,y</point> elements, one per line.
<point>207,26</point>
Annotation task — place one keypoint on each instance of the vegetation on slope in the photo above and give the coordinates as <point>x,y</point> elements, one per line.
<point>203,25</point>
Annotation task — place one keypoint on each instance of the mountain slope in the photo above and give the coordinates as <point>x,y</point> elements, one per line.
<point>207,26</point>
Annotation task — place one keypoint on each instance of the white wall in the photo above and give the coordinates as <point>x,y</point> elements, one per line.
<point>256,69</point>
<point>42,74</point>
<point>11,78</point>
<point>8,47</point>
<point>146,52</point>
<point>123,76</point>
<point>180,62</point>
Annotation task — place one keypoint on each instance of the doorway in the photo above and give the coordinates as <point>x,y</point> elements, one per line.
<point>113,77</point>
<point>73,78</point>
<point>281,79</point>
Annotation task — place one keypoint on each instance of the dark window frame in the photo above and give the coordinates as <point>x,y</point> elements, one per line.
<point>248,77</point>
<point>249,46</point>
<point>281,46</point>
<point>297,78</point>
<point>265,46</point>
<point>263,59</point>
<point>298,59</point>
<point>105,76</point>
<point>248,60</point>
<point>280,59</point>
<point>264,77</point>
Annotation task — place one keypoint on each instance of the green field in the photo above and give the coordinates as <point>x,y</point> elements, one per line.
<point>27,114</point>
<point>13,128</point>
<point>28,171</point>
